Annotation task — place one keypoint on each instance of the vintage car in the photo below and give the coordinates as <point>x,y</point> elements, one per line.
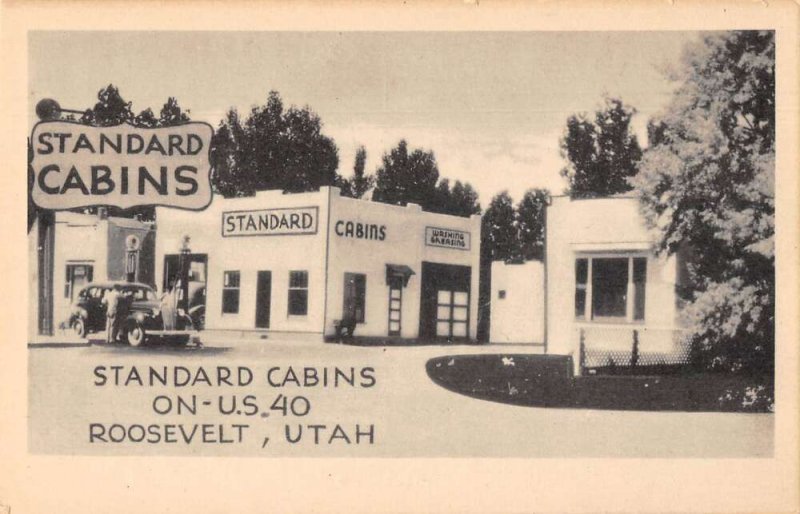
<point>142,313</point>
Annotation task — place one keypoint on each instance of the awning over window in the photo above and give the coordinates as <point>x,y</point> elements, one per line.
<point>398,271</point>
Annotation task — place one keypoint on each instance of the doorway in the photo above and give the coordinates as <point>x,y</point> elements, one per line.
<point>445,300</point>
<point>78,275</point>
<point>263,298</point>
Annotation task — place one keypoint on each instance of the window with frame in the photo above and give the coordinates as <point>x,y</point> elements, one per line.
<point>610,288</point>
<point>230,292</point>
<point>298,293</point>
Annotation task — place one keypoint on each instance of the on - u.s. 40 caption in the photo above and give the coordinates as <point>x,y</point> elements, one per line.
<point>227,405</point>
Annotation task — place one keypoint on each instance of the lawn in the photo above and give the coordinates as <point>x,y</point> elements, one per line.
<point>546,381</point>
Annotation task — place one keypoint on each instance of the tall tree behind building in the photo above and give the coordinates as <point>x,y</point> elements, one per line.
<point>361,182</point>
<point>602,154</point>
<point>530,222</point>
<point>273,148</point>
<point>498,229</point>
<point>707,180</point>
<point>405,177</point>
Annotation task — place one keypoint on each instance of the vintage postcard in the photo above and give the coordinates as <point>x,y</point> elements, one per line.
<point>482,256</point>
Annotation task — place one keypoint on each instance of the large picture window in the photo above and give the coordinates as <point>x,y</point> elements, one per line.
<point>230,292</point>
<point>298,293</point>
<point>610,288</point>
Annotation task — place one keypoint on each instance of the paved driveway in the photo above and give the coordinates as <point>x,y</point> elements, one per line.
<point>409,414</point>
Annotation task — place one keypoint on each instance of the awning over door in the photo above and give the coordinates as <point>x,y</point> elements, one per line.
<point>398,271</point>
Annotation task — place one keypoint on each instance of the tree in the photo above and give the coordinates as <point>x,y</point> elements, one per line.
<point>463,200</point>
<point>498,231</point>
<point>405,177</point>
<point>358,185</point>
<point>707,181</point>
<point>273,148</point>
<point>111,109</point>
<point>603,153</point>
<point>530,222</point>
<point>412,178</point>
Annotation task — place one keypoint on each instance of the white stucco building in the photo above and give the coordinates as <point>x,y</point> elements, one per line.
<point>517,303</point>
<point>68,250</point>
<point>602,284</point>
<point>299,263</point>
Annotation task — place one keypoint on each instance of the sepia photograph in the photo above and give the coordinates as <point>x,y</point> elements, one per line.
<point>579,233</point>
<point>414,254</point>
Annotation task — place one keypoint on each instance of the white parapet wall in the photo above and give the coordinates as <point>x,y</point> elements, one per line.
<point>517,303</point>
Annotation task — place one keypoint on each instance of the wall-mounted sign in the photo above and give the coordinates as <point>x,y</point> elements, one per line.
<point>270,222</point>
<point>358,230</point>
<point>447,238</point>
<point>76,165</point>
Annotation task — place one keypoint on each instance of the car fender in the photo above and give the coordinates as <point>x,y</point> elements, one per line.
<point>78,312</point>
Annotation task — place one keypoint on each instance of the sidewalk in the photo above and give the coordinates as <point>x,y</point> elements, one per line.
<point>65,339</point>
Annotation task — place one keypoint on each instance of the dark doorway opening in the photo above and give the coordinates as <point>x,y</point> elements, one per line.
<point>263,298</point>
<point>445,300</point>
<point>197,275</point>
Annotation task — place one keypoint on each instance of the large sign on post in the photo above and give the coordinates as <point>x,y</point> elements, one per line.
<point>77,165</point>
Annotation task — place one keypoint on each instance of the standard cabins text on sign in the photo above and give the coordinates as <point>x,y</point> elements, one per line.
<point>76,165</point>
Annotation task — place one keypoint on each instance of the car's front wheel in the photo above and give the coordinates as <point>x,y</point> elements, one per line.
<point>79,327</point>
<point>136,335</point>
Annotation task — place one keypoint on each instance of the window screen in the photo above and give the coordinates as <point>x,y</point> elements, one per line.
<point>581,276</point>
<point>639,281</point>
<point>298,293</point>
<point>230,292</point>
<point>609,288</point>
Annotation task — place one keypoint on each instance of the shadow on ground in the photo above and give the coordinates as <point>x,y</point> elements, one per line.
<point>547,381</point>
<point>160,347</point>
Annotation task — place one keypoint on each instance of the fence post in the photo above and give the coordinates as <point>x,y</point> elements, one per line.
<point>635,349</point>
<point>582,352</point>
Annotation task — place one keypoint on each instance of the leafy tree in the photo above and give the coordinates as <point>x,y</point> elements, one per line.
<point>412,178</point>
<point>171,114</point>
<point>530,221</point>
<point>464,200</point>
<point>405,177</point>
<point>273,148</point>
<point>110,109</point>
<point>358,185</point>
<point>498,231</point>
<point>603,153</point>
<point>707,181</point>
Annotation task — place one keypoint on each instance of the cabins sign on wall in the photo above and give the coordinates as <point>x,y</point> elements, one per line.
<point>76,165</point>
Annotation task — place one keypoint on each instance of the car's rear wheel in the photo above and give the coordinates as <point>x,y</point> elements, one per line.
<point>79,327</point>
<point>136,335</point>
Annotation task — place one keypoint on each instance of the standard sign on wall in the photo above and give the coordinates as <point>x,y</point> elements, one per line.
<point>270,222</point>
<point>76,165</point>
<point>447,238</point>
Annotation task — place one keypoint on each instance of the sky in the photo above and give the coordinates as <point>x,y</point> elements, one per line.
<point>492,106</point>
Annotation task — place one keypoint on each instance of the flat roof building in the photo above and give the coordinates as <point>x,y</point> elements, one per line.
<point>301,263</point>
<point>603,296</point>
<point>67,250</point>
